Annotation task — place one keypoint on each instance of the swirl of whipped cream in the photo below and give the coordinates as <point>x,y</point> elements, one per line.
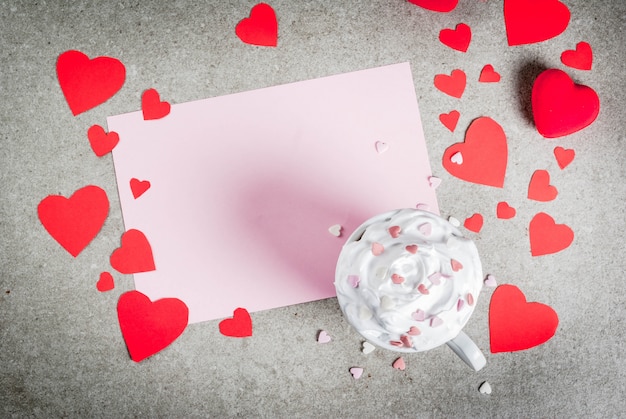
<point>408,280</point>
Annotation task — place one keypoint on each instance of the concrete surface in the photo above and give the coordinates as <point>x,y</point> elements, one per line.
<point>61,352</point>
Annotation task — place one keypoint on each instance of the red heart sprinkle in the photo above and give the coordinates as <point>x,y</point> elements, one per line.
<point>105,283</point>
<point>73,222</point>
<point>87,83</point>
<point>581,58</point>
<point>149,327</point>
<point>531,21</point>
<point>515,324</point>
<point>101,142</point>
<point>397,279</point>
<point>456,265</point>
<point>474,223</point>
<point>488,75</point>
<point>411,248</point>
<point>261,28</point>
<point>152,107</point>
<point>436,5</point>
<point>539,188</point>
<point>399,364</point>
<point>394,231</point>
<point>453,85</point>
<point>504,211</point>
<point>449,120</point>
<point>458,38</point>
<point>134,255</point>
<point>138,187</point>
<point>239,326</point>
<point>564,156</point>
<point>546,236</point>
<point>561,107</point>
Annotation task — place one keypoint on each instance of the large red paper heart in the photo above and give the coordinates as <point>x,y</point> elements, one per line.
<point>101,142</point>
<point>138,187</point>
<point>539,188</point>
<point>261,28</point>
<point>530,21</point>
<point>149,327</point>
<point>458,38</point>
<point>135,254</point>
<point>564,156</point>
<point>88,83</point>
<point>581,58</point>
<point>73,222</point>
<point>515,324</point>
<point>546,236</point>
<point>561,107</point>
<point>152,107</point>
<point>488,75</point>
<point>436,5</point>
<point>453,85</point>
<point>482,158</point>
<point>239,326</point>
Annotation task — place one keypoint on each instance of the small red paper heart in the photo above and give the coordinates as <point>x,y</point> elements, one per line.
<point>474,223</point>
<point>531,21</point>
<point>149,327</point>
<point>539,188</point>
<point>134,255</point>
<point>504,211</point>
<point>564,156</point>
<point>488,75</point>
<point>436,5</point>
<point>515,324</point>
<point>138,187</point>
<point>88,83</point>
<point>73,222</point>
<point>546,236</point>
<point>261,28</point>
<point>105,283</point>
<point>239,326</point>
<point>561,107</point>
<point>152,107</point>
<point>458,38</point>
<point>101,142</point>
<point>453,85</point>
<point>483,156</point>
<point>449,120</point>
<point>581,58</point>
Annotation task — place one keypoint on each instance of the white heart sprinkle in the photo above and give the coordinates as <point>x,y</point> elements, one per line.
<point>356,372</point>
<point>485,388</point>
<point>425,229</point>
<point>457,158</point>
<point>335,230</point>
<point>323,337</point>
<point>381,147</point>
<point>354,280</point>
<point>490,281</point>
<point>434,181</point>
<point>368,348</point>
<point>455,222</point>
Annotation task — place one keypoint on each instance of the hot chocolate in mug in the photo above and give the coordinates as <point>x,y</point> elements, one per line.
<point>408,281</point>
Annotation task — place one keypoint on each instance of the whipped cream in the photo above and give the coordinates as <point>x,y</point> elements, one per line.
<point>408,280</point>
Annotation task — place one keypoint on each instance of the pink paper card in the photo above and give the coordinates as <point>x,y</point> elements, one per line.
<point>244,187</point>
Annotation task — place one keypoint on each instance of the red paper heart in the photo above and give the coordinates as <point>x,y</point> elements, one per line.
<point>581,58</point>
<point>453,85</point>
<point>88,83</point>
<point>138,187</point>
<point>546,236</point>
<point>239,326</point>
<point>564,156</point>
<point>483,154</point>
<point>436,5</point>
<point>152,107</point>
<point>261,28</point>
<point>149,327</point>
<point>73,222</point>
<point>101,142</point>
<point>449,120</point>
<point>504,211</point>
<point>539,188</point>
<point>488,75</point>
<point>530,21</point>
<point>561,107</point>
<point>134,255</point>
<point>458,38</point>
<point>474,223</point>
<point>105,283</point>
<point>515,324</point>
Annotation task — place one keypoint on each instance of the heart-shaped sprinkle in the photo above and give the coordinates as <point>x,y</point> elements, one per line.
<point>394,231</point>
<point>485,388</point>
<point>105,283</point>
<point>564,156</point>
<point>323,337</point>
<point>354,280</point>
<point>488,75</point>
<point>423,207</point>
<point>490,281</point>
<point>356,372</point>
<point>365,313</point>
<point>426,229</point>
<point>435,278</point>
<point>454,221</point>
<point>457,158</point>
<point>406,341</point>
<point>399,364</point>
<point>414,331</point>
<point>381,146</point>
<point>396,343</point>
<point>397,279</point>
<point>422,289</point>
<point>380,273</point>
<point>460,304</point>
<point>335,230</point>
<point>419,315</point>
<point>450,119</point>
<point>474,223</point>
<point>456,265</point>
<point>386,302</point>
<point>470,299</point>
<point>377,249</point>
<point>434,181</point>
<point>435,321</point>
<point>368,348</point>
<point>411,248</point>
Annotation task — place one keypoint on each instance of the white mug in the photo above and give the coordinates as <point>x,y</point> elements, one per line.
<point>408,281</point>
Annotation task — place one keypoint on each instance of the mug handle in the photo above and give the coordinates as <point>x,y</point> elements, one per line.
<point>467,350</point>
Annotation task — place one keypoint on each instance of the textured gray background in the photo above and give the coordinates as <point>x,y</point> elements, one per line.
<point>61,351</point>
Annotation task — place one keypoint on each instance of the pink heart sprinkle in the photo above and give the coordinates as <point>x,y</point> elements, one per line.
<point>356,372</point>
<point>490,281</point>
<point>419,315</point>
<point>456,265</point>
<point>423,207</point>
<point>425,229</point>
<point>422,288</point>
<point>435,278</point>
<point>406,341</point>
<point>354,280</point>
<point>470,299</point>
<point>434,181</point>
<point>381,147</point>
<point>460,304</point>
<point>414,331</point>
<point>323,337</point>
<point>412,248</point>
<point>397,279</point>
<point>377,249</point>
<point>435,321</point>
<point>396,343</point>
<point>394,231</point>
<point>399,364</point>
